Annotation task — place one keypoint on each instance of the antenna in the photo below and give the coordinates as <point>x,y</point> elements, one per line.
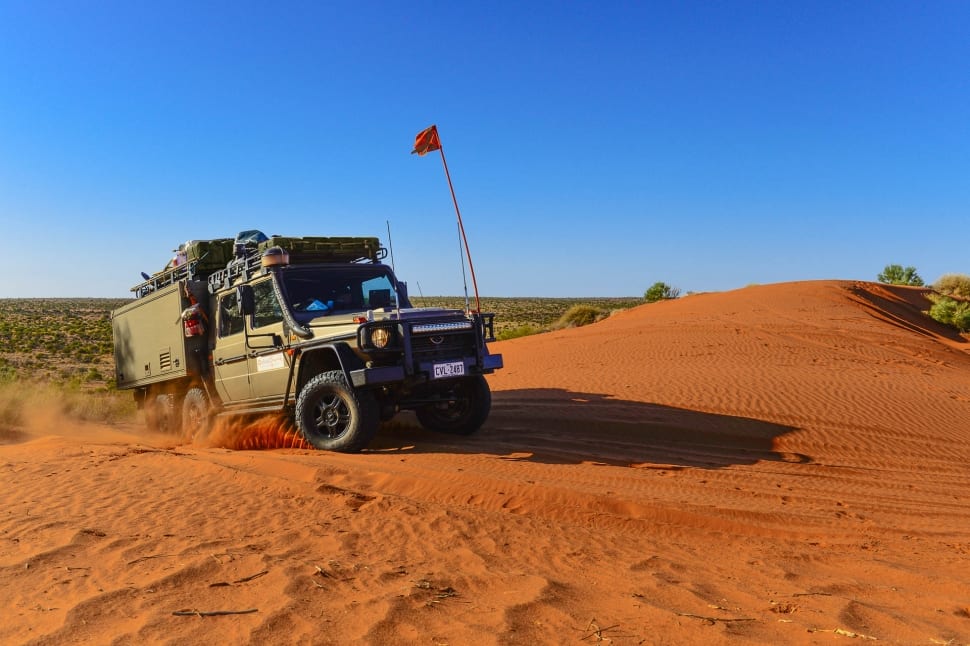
<point>390,246</point>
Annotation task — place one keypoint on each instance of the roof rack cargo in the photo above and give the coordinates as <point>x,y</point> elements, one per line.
<point>223,260</point>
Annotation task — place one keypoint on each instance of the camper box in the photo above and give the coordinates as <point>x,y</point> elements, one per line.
<point>151,342</point>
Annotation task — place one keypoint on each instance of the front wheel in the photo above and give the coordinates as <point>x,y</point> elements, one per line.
<point>462,409</point>
<point>195,414</point>
<point>333,416</point>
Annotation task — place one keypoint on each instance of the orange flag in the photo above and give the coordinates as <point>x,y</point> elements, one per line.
<point>426,141</point>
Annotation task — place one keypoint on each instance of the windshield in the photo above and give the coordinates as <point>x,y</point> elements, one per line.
<point>319,291</point>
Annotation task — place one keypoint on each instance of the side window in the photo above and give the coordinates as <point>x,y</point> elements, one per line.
<point>230,320</point>
<point>267,307</point>
<point>378,293</point>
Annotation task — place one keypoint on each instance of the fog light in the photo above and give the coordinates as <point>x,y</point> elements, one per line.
<point>380,337</point>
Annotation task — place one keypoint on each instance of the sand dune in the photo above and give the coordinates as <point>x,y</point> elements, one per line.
<point>779,464</point>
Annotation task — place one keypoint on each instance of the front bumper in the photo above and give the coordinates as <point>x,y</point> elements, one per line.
<point>382,375</point>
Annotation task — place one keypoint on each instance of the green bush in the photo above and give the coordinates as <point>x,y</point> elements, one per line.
<point>961,319</point>
<point>951,312</point>
<point>953,285</point>
<point>898,275</point>
<point>660,291</point>
<point>516,332</point>
<point>580,315</point>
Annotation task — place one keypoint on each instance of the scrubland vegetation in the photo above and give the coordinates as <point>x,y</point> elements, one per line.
<point>57,339</point>
<point>950,297</point>
<point>951,302</point>
<point>517,317</point>
<point>56,358</point>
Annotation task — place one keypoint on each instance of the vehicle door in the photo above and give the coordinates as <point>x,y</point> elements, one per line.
<point>269,365</point>
<point>229,356</point>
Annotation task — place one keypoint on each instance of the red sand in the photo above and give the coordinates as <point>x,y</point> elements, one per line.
<point>778,464</point>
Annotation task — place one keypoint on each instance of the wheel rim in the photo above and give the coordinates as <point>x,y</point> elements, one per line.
<point>331,416</point>
<point>456,408</point>
<point>194,417</point>
<point>164,414</point>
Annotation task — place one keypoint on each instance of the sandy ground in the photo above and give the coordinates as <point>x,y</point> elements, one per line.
<point>778,464</point>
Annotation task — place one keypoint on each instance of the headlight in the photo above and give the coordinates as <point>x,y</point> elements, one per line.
<point>380,337</point>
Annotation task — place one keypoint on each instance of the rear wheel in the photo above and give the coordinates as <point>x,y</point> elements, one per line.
<point>195,414</point>
<point>462,409</point>
<point>161,415</point>
<point>333,416</point>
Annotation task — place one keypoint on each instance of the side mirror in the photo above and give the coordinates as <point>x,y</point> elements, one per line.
<point>246,299</point>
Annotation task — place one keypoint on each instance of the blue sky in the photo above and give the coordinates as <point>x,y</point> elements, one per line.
<point>595,147</point>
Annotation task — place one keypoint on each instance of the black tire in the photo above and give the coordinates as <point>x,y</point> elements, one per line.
<point>333,416</point>
<point>462,409</point>
<point>161,416</point>
<point>195,414</point>
<point>151,413</point>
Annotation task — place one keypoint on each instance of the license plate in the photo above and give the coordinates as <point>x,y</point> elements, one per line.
<point>450,369</point>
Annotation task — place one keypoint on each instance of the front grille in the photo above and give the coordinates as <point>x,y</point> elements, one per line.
<point>448,346</point>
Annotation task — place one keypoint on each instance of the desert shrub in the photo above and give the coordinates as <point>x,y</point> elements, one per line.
<point>11,406</point>
<point>899,275</point>
<point>21,399</point>
<point>580,315</point>
<point>660,291</point>
<point>951,312</point>
<point>953,285</point>
<point>106,406</point>
<point>516,332</point>
<point>8,372</point>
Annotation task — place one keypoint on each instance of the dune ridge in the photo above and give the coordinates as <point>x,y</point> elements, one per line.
<point>778,464</point>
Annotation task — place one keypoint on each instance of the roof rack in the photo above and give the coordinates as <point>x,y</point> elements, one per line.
<point>246,260</point>
<point>163,278</point>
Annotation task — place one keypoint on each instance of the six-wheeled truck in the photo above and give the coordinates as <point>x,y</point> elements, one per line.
<point>317,328</point>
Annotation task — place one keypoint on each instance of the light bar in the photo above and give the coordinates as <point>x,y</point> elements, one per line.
<point>424,328</point>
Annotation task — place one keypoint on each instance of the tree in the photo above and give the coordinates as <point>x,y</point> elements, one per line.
<point>660,291</point>
<point>897,275</point>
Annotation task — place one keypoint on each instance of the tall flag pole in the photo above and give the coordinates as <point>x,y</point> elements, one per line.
<point>426,142</point>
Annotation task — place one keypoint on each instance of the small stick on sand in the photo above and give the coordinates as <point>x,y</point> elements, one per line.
<point>223,584</point>
<point>714,619</point>
<point>213,613</point>
<point>254,576</point>
<point>597,631</point>
<point>153,556</point>
<point>844,633</point>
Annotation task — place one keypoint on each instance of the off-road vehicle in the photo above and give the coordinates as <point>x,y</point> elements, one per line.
<point>316,328</point>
